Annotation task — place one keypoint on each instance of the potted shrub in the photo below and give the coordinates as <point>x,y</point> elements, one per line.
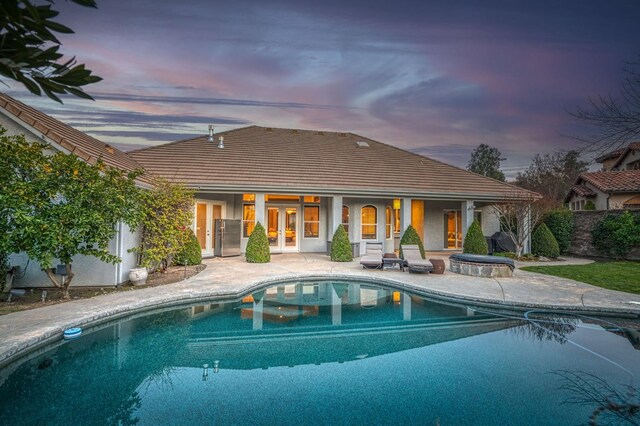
<point>340,246</point>
<point>474,241</point>
<point>411,236</point>
<point>258,246</point>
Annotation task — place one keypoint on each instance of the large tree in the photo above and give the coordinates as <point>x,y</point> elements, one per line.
<point>485,160</point>
<point>29,50</point>
<point>552,175</point>
<point>615,120</point>
<point>54,206</point>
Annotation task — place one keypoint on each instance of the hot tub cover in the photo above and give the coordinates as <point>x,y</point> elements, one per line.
<point>477,258</point>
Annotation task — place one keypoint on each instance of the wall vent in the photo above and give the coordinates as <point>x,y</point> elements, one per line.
<point>362,144</point>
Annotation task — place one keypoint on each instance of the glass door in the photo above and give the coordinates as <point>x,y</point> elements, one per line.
<point>452,229</point>
<point>205,215</point>
<point>282,228</point>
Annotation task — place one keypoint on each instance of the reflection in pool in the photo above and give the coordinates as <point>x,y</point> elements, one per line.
<point>330,353</point>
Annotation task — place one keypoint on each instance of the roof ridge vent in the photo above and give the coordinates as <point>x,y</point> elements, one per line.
<point>342,135</point>
<point>295,131</point>
<point>362,144</point>
<point>320,133</point>
<point>268,129</point>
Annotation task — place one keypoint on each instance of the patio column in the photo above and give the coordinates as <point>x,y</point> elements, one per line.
<point>466,209</point>
<point>406,307</point>
<point>336,307</point>
<point>258,308</point>
<point>336,214</point>
<point>405,213</point>
<point>260,207</point>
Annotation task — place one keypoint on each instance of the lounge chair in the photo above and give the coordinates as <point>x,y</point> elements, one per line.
<point>372,258</point>
<point>414,260</point>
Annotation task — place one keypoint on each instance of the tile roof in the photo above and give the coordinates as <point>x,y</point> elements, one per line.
<point>613,181</point>
<point>268,159</point>
<point>618,152</point>
<point>84,146</point>
<point>583,191</point>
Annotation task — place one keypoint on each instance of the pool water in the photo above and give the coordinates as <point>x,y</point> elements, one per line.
<point>331,353</point>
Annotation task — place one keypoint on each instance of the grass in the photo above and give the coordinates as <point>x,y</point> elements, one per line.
<point>621,276</point>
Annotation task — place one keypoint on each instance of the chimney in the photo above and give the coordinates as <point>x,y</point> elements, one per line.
<point>210,132</point>
<point>221,142</point>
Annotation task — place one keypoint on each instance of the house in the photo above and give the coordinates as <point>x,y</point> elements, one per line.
<point>300,184</point>
<point>616,186</point>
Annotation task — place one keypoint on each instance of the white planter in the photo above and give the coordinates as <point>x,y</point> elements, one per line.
<point>138,276</point>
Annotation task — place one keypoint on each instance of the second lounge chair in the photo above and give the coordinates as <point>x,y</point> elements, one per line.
<point>414,260</point>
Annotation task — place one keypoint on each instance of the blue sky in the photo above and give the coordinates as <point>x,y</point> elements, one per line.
<point>434,77</point>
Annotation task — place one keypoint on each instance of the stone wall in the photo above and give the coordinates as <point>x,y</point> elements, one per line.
<point>584,222</point>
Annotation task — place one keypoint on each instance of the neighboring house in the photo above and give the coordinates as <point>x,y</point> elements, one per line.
<point>19,118</point>
<point>300,184</point>
<point>617,186</point>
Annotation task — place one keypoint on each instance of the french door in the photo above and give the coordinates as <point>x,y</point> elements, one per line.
<point>282,228</point>
<point>206,212</point>
<point>452,229</point>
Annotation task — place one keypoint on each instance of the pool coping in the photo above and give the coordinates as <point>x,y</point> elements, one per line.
<point>49,335</point>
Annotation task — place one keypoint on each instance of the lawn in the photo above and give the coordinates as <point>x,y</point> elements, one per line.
<point>622,276</point>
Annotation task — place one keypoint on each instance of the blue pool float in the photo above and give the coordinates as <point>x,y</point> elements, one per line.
<point>72,333</point>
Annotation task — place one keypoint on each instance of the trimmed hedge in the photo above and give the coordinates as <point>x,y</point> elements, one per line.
<point>191,252</point>
<point>340,246</point>
<point>258,246</point>
<point>560,223</point>
<point>474,241</point>
<point>411,236</point>
<point>543,243</point>
<point>617,234</point>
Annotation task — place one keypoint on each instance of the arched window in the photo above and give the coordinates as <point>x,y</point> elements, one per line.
<point>345,218</point>
<point>369,223</point>
<point>387,224</point>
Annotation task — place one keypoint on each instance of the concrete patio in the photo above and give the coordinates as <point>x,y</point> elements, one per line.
<point>230,278</point>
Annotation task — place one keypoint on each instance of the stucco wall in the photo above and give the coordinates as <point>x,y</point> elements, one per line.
<point>584,223</point>
<point>617,201</point>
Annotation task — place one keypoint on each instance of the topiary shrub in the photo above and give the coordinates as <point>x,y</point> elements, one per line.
<point>190,253</point>
<point>411,236</point>
<point>474,241</point>
<point>560,223</point>
<point>543,243</point>
<point>617,234</point>
<point>340,246</point>
<point>589,205</point>
<point>258,246</point>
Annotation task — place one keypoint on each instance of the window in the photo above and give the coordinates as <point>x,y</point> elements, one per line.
<point>345,218</point>
<point>387,223</point>
<point>369,223</point>
<point>311,199</point>
<point>248,219</point>
<point>282,198</point>
<point>248,197</point>
<point>311,221</point>
<point>634,165</point>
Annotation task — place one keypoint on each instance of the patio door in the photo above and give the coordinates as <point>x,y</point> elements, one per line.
<point>282,228</point>
<point>205,215</point>
<point>452,229</point>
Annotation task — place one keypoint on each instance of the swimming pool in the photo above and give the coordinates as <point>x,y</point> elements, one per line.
<point>330,353</point>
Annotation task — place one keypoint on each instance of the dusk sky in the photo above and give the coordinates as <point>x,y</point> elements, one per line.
<point>434,77</point>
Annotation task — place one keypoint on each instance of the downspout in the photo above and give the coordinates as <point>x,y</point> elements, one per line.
<point>119,246</point>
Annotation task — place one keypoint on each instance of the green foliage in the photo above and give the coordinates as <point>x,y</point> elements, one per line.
<point>258,246</point>
<point>167,211</point>
<point>56,206</point>
<point>29,50</point>
<point>411,236</point>
<point>543,243</point>
<point>190,253</point>
<point>485,160</point>
<point>340,246</point>
<point>589,205</point>
<point>617,234</point>
<point>560,223</point>
<point>474,241</point>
